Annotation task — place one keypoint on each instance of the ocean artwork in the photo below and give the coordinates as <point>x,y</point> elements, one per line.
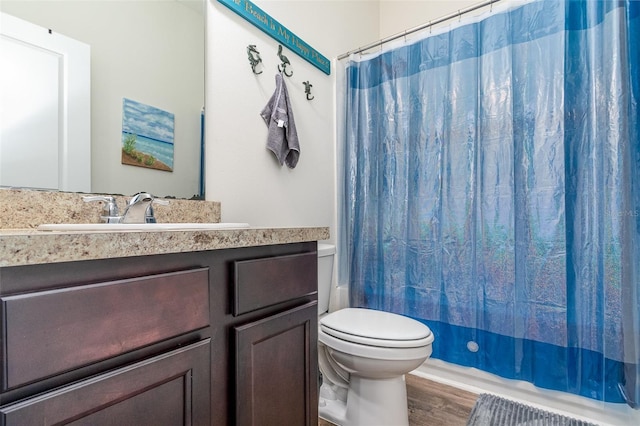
<point>147,136</point>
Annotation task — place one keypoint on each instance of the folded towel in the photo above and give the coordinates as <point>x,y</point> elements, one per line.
<point>278,116</point>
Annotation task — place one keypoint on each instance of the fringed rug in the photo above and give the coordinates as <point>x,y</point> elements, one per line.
<point>491,410</point>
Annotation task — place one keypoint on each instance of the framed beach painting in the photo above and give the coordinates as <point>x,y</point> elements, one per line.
<point>147,136</point>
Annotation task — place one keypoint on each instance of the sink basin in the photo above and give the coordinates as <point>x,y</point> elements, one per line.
<point>110,227</point>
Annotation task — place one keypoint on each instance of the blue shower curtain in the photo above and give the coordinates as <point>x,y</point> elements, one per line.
<point>492,191</point>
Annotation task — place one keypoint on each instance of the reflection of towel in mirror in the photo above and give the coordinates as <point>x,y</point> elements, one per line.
<point>278,116</point>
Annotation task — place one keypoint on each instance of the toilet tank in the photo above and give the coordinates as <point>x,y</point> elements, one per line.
<point>326,253</point>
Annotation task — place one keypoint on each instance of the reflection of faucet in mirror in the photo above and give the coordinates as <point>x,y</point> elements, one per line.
<point>109,210</point>
<point>138,210</point>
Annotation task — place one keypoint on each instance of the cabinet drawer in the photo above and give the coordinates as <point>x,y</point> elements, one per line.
<point>49,332</point>
<point>169,389</point>
<point>259,283</point>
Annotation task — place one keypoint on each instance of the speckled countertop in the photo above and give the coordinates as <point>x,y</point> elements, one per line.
<point>29,247</point>
<point>22,244</point>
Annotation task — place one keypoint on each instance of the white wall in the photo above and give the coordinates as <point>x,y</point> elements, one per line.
<point>397,16</point>
<point>241,172</point>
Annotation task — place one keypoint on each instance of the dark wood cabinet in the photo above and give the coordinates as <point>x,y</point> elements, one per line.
<point>83,324</point>
<point>265,394</point>
<point>169,389</point>
<point>220,337</point>
<point>275,355</point>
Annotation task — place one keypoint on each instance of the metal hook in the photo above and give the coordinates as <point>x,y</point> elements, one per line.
<point>284,70</point>
<point>459,15</point>
<point>285,62</point>
<point>307,89</point>
<point>254,60</point>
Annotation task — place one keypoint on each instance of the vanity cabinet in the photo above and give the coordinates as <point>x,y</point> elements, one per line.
<point>168,389</point>
<point>217,337</point>
<point>264,394</point>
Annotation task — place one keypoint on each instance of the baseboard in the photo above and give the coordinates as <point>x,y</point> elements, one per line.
<point>477,381</point>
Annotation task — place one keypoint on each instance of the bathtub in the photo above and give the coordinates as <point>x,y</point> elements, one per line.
<point>478,381</point>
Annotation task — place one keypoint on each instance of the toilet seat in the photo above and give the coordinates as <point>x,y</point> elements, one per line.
<point>373,352</point>
<point>376,328</point>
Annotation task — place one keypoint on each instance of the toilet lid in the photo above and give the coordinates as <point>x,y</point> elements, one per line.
<point>376,328</point>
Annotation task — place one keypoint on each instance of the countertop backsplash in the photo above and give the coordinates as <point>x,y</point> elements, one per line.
<point>27,208</point>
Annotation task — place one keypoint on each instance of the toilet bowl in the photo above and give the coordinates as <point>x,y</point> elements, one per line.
<point>363,355</point>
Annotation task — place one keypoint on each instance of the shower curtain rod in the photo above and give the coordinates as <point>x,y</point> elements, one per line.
<point>459,13</point>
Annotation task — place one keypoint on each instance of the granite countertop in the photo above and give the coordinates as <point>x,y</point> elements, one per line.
<point>22,210</point>
<point>29,246</point>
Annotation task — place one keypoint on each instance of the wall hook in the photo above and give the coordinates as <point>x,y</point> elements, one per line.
<point>307,89</point>
<point>253,60</point>
<point>285,62</point>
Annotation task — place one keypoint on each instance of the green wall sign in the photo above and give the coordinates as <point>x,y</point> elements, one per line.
<point>279,32</point>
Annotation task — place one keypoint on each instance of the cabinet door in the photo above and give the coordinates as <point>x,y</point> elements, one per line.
<point>168,389</point>
<point>277,369</point>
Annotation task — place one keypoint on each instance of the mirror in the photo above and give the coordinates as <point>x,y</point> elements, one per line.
<point>147,51</point>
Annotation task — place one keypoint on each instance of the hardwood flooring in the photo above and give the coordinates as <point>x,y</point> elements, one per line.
<point>434,404</point>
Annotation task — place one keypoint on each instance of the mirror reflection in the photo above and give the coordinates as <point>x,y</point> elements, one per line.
<point>149,52</point>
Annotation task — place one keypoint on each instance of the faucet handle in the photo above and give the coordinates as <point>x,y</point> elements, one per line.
<point>149,216</point>
<point>110,208</point>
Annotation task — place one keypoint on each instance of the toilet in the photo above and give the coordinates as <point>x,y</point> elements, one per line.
<point>363,355</point>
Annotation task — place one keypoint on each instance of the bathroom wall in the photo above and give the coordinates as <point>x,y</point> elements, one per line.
<point>241,173</point>
<point>397,16</point>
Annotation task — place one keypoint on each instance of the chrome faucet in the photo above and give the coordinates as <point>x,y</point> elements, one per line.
<point>138,210</point>
<point>109,210</point>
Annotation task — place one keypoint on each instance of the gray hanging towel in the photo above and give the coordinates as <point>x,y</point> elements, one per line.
<point>278,116</point>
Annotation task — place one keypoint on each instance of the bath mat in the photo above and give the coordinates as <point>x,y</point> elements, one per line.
<point>491,410</point>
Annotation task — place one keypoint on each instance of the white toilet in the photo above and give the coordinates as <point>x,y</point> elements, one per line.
<point>363,356</point>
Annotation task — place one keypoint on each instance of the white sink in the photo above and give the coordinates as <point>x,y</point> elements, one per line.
<point>110,227</point>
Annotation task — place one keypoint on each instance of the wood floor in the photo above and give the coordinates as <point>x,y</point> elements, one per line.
<point>434,404</point>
